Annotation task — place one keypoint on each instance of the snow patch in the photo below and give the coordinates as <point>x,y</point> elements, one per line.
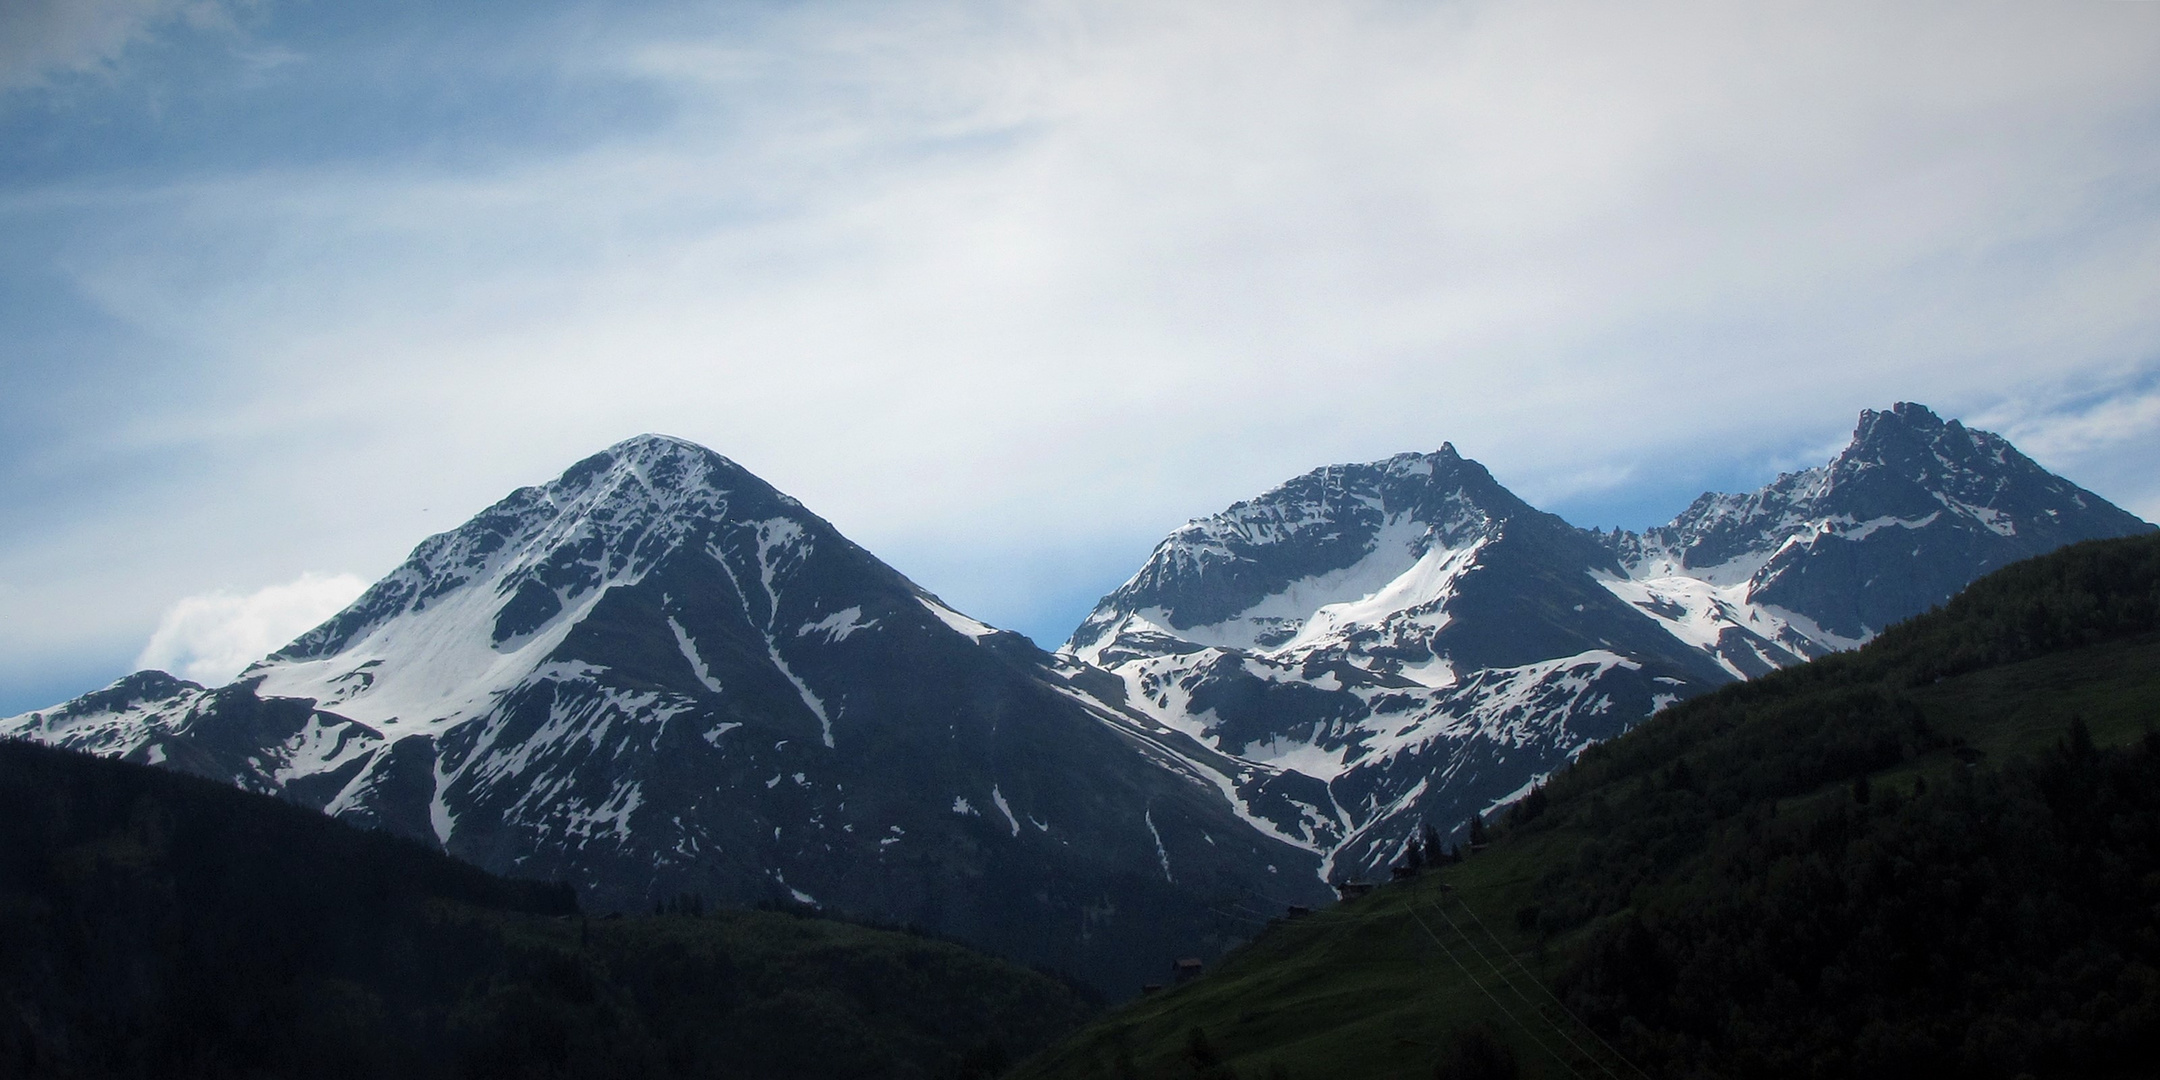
<point>1004,808</point>
<point>812,701</point>
<point>690,653</point>
<point>1161,852</point>
<point>837,626</point>
<point>974,631</point>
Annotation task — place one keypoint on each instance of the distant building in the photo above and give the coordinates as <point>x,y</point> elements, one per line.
<point>1186,969</point>
<point>1351,890</point>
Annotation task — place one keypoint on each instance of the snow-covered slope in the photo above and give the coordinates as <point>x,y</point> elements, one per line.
<point>1397,642</point>
<point>1405,641</point>
<point>656,675</point>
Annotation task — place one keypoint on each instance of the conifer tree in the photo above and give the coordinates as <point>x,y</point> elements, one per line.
<point>1414,854</point>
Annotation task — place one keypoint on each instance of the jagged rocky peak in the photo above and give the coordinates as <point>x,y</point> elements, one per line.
<point>1912,509</point>
<point>1334,533</point>
<point>1908,461</point>
<point>1904,465</point>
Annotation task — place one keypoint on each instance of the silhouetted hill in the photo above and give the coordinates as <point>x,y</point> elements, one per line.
<point>154,924</point>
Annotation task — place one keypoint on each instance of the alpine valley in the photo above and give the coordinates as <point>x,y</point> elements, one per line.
<point>657,675</point>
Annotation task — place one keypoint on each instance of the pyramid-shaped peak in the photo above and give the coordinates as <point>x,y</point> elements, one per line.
<point>649,450</point>
<point>651,443</point>
<point>652,464</point>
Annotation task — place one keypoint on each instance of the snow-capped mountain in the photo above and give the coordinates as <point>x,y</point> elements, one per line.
<point>659,675</point>
<point>1400,642</point>
<point>1406,642</point>
<point>1912,510</point>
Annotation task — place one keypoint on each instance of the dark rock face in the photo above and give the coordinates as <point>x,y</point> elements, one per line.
<point>658,675</point>
<point>1407,642</point>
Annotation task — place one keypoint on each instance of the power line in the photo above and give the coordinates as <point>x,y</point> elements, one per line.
<point>1535,981</point>
<point>1340,917</point>
<point>1502,976</point>
<point>1497,1003</point>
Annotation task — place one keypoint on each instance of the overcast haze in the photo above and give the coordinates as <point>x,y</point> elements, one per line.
<point>1007,291</point>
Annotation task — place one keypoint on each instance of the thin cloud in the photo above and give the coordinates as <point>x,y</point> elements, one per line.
<point>43,38</point>
<point>2128,416</point>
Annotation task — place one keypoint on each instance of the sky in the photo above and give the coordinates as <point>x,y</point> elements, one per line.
<point>1006,291</point>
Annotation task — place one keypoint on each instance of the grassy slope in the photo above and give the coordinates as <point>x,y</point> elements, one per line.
<point>1378,987</point>
<point>1367,988</point>
<point>155,924</point>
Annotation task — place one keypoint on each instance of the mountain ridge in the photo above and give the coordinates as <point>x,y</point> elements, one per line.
<point>656,675</point>
<point>1412,609</point>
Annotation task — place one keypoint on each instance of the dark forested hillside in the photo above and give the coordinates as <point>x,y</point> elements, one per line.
<point>1938,855</point>
<point>1881,864</point>
<point>2000,924</point>
<point>153,924</point>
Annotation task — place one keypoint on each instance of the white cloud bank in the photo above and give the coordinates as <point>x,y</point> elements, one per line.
<point>209,638</point>
<point>1008,289</point>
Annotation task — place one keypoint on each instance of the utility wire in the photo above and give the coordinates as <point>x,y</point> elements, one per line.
<point>1246,913</point>
<point>1535,981</point>
<point>1497,1003</point>
<point>1253,912</point>
<point>1501,974</point>
<point>1324,915</point>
